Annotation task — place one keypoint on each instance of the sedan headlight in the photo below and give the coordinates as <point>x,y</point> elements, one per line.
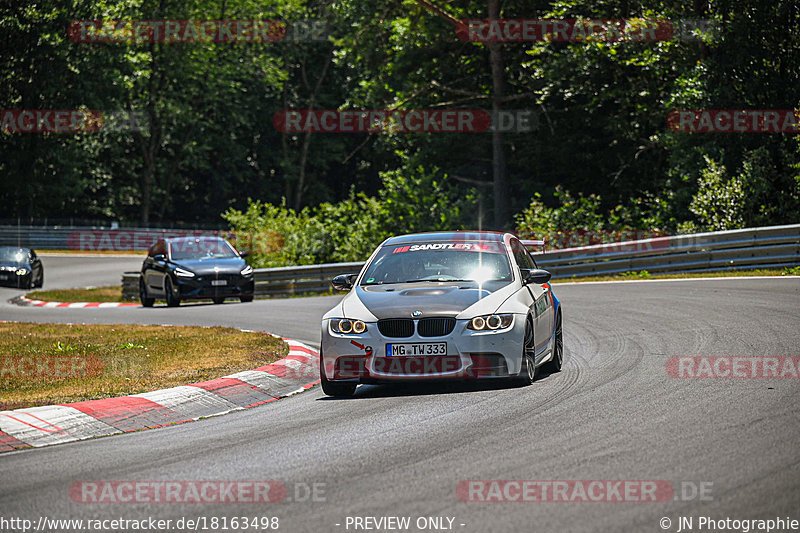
<point>491,322</point>
<point>183,273</point>
<point>21,272</point>
<point>348,326</point>
<point>246,271</point>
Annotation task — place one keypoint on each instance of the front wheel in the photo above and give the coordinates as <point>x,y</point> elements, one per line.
<point>333,388</point>
<point>172,300</point>
<point>246,298</point>
<point>146,302</point>
<point>527,372</point>
<point>218,300</point>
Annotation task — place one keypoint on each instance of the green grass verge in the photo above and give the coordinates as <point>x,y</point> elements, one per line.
<point>42,364</point>
<point>92,294</point>
<point>643,274</point>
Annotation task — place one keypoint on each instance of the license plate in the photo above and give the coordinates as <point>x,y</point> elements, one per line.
<point>218,282</point>
<point>3,276</point>
<point>427,348</point>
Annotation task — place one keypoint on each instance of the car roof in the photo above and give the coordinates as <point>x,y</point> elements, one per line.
<point>438,236</point>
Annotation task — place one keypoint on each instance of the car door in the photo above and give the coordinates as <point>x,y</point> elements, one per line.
<point>546,318</point>
<point>538,298</point>
<point>36,266</point>
<point>155,267</point>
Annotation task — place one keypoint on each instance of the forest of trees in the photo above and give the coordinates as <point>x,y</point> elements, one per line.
<point>599,153</point>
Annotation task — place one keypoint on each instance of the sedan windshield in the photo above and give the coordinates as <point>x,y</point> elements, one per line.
<point>444,261</point>
<point>200,249</point>
<point>13,255</point>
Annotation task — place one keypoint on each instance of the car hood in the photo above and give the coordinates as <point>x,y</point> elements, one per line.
<point>202,267</point>
<point>432,299</point>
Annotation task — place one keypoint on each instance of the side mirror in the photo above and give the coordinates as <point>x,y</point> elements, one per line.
<point>534,275</point>
<point>243,253</point>
<point>160,258</point>
<point>344,282</point>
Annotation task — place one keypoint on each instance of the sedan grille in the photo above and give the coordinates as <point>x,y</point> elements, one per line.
<point>436,327</point>
<point>396,327</point>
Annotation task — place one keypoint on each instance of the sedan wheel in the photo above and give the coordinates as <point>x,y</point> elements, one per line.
<point>146,302</point>
<point>554,364</point>
<point>333,388</point>
<point>527,374</point>
<point>172,300</point>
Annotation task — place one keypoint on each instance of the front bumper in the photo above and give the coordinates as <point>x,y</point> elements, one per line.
<point>200,287</point>
<point>9,278</point>
<point>470,355</point>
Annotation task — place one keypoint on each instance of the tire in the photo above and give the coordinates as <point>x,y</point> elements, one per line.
<point>527,372</point>
<point>554,364</point>
<point>335,389</point>
<point>218,300</point>
<point>146,302</point>
<point>40,283</point>
<point>172,300</point>
<point>246,298</point>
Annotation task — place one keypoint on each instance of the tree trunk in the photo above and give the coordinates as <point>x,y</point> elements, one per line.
<point>500,180</point>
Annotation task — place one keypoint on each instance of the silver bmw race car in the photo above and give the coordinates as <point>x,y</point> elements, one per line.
<point>449,305</point>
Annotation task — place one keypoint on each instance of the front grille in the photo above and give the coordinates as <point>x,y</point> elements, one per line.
<point>435,327</point>
<point>396,327</point>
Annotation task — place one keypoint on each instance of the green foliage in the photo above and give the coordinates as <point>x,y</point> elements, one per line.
<point>719,201</point>
<point>640,274</point>
<point>351,229</point>
<point>206,141</point>
<point>791,271</point>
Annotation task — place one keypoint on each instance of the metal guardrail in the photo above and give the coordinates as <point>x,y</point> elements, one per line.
<point>89,238</point>
<point>770,247</point>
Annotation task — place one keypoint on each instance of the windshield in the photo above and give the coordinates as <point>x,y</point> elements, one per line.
<point>443,261</point>
<point>200,249</point>
<point>13,255</point>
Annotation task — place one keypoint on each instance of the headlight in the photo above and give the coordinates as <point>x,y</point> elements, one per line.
<point>348,326</point>
<point>246,271</point>
<point>183,273</point>
<point>21,272</point>
<point>491,322</point>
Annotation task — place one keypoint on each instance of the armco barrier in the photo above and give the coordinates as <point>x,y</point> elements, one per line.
<point>89,239</point>
<point>770,247</point>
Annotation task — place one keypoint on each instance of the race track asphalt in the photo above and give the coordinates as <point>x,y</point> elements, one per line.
<point>613,413</point>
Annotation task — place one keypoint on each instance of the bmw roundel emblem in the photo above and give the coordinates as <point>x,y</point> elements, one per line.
<point>416,313</point>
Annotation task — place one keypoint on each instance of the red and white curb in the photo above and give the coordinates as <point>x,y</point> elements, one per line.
<point>22,300</point>
<point>56,424</point>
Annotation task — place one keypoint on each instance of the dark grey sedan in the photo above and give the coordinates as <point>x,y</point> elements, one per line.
<point>195,268</point>
<point>20,267</point>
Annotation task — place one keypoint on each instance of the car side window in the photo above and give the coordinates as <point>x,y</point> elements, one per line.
<point>531,259</point>
<point>158,248</point>
<point>521,255</point>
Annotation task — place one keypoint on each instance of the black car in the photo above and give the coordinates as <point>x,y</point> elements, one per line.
<point>20,267</point>
<point>195,268</point>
